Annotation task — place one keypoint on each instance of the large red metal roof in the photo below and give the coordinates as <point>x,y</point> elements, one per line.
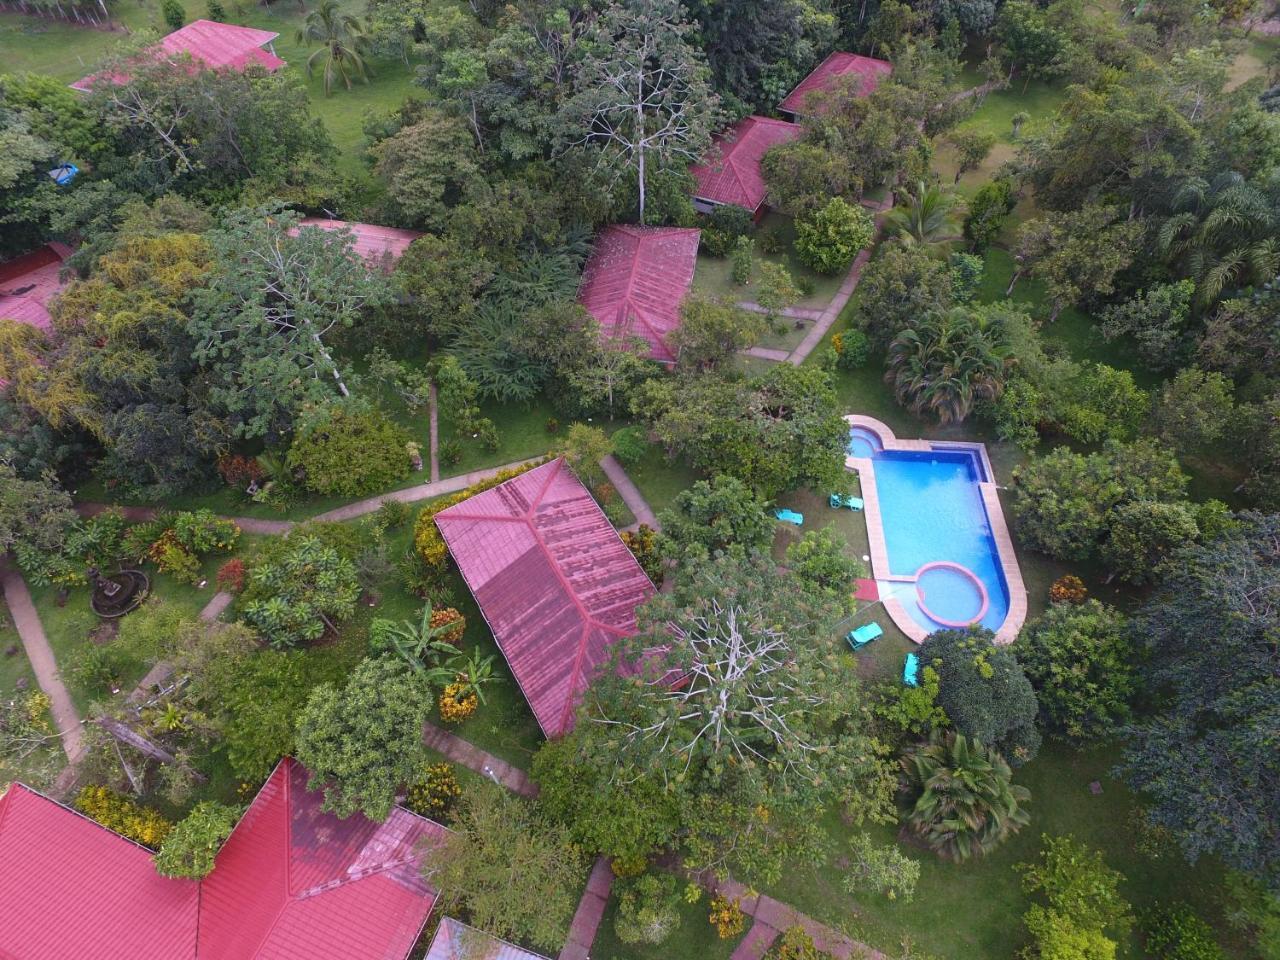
<point>29,282</point>
<point>825,75</point>
<point>553,579</point>
<point>637,278</point>
<point>377,244</point>
<point>732,173</point>
<point>290,883</point>
<point>217,45</point>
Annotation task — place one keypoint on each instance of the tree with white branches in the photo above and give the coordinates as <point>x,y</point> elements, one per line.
<point>643,93</point>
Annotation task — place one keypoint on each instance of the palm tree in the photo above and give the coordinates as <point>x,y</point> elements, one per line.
<point>1222,234</point>
<point>948,363</point>
<point>968,804</point>
<point>345,44</point>
<point>922,216</point>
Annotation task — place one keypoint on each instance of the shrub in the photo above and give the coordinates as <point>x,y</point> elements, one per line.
<point>1175,933</point>
<point>1068,589</point>
<point>436,793</point>
<point>426,538</point>
<point>393,513</point>
<point>771,240</point>
<point>643,544</point>
<point>796,944</point>
<point>448,615</point>
<point>881,868</point>
<point>115,812</point>
<point>295,595</point>
<point>99,667</point>
<point>457,703</point>
<point>216,11</point>
<point>173,13</point>
<point>727,917</point>
<point>201,532</point>
<point>629,444</point>
<point>1085,915</point>
<point>552,425</point>
<point>230,576</point>
<point>830,239</point>
<point>450,451</point>
<point>173,558</point>
<point>349,449</point>
<point>852,348</point>
<point>743,257</point>
<point>239,471</point>
<point>733,220</point>
<point>191,846</point>
<point>648,909</point>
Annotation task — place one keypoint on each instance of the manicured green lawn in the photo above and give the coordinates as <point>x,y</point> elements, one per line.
<point>660,480</point>
<point>696,939</point>
<point>714,275</point>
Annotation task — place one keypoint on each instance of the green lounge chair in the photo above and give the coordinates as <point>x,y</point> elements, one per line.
<point>839,500</point>
<point>789,516</point>
<point>911,671</point>
<point>863,635</point>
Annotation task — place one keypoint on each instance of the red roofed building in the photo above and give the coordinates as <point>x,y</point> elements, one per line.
<point>290,883</point>
<point>554,581</point>
<point>635,281</point>
<point>377,244</point>
<point>826,76</point>
<point>457,941</point>
<point>29,282</point>
<point>732,173</point>
<point>216,45</point>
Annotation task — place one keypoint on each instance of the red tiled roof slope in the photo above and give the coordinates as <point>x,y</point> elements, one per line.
<point>636,279</point>
<point>457,941</point>
<point>825,75</point>
<point>217,45</point>
<point>732,173</point>
<point>374,242</point>
<point>553,579</point>
<point>29,282</point>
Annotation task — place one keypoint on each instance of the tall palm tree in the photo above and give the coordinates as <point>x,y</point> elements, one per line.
<point>1222,233</point>
<point>968,804</point>
<point>345,44</point>
<point>949,362</point>
<point>923,217</point>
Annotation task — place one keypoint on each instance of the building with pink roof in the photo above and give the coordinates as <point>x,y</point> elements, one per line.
<point>554,581</point>
<point>827,75</point>
<point>29,282</point>
<point>377,244</point>
<point>732,173</point>
<point>217,45</point>
<point>457,941</point>
<point>636,280</point>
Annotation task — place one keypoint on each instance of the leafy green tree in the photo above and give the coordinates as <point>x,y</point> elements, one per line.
<point>1194,410</point>
<point>583,447</point>
<point>712,333</point>
<point>899,287</point>
<point>1080,661</point>
<point>972,147</point>
<point>1238,340</point>
<point>1143,534</point>
<point>984,691</point>
<point>442,278</point>
<point>829,239</point>
<point>425,165</point>
<point>344,43</point>
<point>884,869</point>
<point>263,323</point>
<point>349,448</point>
<point>1156,319</point>
<point>607,376</point>
<point>803,176</point>
<point>966,803</point>
<point>513,870</point>
<point>193,843</point>
<point>820,558</point>
<point>1029,43</point>
<point>1200,758</point>
<point>1098,402</point>
<point>716,515</point>
<point>35,516</point>
<point>922,217</point>
<point>174,14</point>
<point>1085,916</point>
<point>362,740</point>
<point>294,598</point>
<point>648,908</point>
<point>1175,932</point>
<point>988,211</point>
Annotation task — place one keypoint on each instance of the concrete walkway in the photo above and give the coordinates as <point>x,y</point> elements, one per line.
<point>630,493</point>
<point>434,411</point>
<point>481,761</point>
<point>66,718</point>
<point>756,943</point>
<point>586,919</point>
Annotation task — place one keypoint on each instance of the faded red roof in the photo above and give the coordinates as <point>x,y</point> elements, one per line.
<point>29,282</point>
<point>217,45</point>
<point>636,279</point>
<point>290,883</point>
<point>457,941</point>
<point>553,579</point>
<point>377,244</point>
<point>732,174</point>
<point>830,70</point>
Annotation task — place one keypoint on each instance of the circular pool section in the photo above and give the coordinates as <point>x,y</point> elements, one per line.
<point>863,443</point>
<point>951,595</point>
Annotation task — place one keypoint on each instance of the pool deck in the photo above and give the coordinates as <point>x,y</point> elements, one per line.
<point>865,469</point>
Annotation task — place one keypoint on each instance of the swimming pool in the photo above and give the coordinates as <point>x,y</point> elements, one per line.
<point>936,555</point>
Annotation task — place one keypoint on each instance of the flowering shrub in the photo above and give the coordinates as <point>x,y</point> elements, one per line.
<point>230,576</point>
<point>852,349</point>
<point>173,558</point>
<point>426,538</point>
<point>115,812</point>
<point>436,793</point>
<point>456,704</point>
<point>240,471</point>
<point>796,944</point>
<point>1068,589</point>
<point>643,544</point>
<point>449,615</point>
<point>200,531</point>
<point>727,917</point>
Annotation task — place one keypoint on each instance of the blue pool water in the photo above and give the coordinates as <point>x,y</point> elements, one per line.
<point>931,510</point>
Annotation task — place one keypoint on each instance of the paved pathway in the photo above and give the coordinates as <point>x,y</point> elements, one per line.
<point>756,943</point>
<point>482,762</point>
<point>66,719</point>
<point>434,408</point>
<point>768,353</point>
<point>586,919</point>
<point>630,493</point>
<point>791,313</point>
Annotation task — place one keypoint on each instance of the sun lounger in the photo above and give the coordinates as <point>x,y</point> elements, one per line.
<point>839,500</point>
<point>863,635</point>
<point>911,671</point>
<point>789,516</point>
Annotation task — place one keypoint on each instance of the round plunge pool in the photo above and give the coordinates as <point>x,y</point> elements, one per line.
<point>863,443</point>
<point>951,595</point>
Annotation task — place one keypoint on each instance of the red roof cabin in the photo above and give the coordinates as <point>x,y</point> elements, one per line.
<point>636,280</point>
<point>29,282</point>
<point>732,172</point>
<point>216,45</point>
<point>828,75</point>
<point>457,941</point>
<point>553,579</point>
<point>290,883</point>
<point>378,245</point>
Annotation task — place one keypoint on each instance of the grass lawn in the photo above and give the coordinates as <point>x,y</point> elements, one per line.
<point>696,939</point>
<point>660,480</point>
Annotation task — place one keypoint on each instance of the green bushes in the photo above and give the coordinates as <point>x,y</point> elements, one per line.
<point>1085,916</point>
<point>193,843</point>
<point>830,239</point>
<point>115,812</point>
<point>1176,933</point>
<point>648,909</point>
<point>349,449</point>
<point>294,597</point>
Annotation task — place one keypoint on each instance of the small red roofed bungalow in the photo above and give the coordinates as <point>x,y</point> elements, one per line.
<point>636,280</point>
<point>457,941</point>
<point>217,45</point>
<point>378,245</point>
<point>29,282</point>
<point>291,883</point>
<point>827,75</point>
<point>732,174</point>
<point>553,579</point>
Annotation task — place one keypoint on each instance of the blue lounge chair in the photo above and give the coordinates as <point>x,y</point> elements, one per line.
<point>911,671</point>
<point>839,500</point>
<point>789,516</point>
<point>863,635</point>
